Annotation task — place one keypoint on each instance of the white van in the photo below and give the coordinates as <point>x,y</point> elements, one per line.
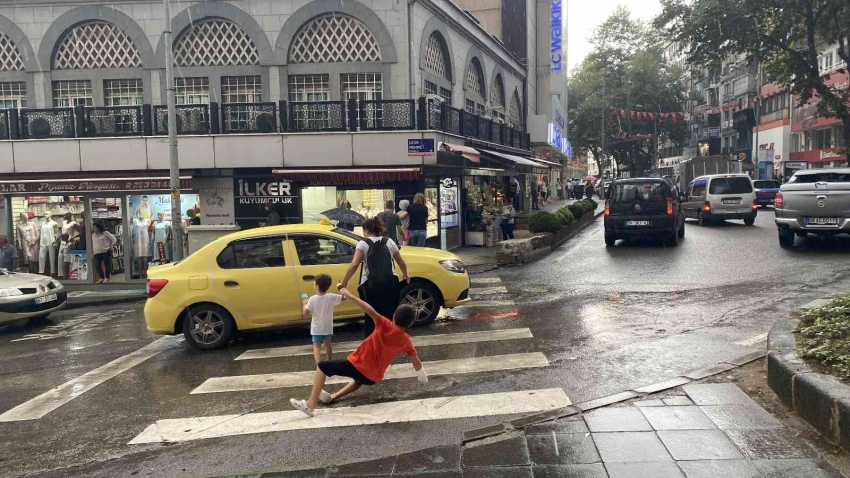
<point>721,196</point>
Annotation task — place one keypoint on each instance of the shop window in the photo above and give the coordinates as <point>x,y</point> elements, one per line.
<point>38,217</point>
<point>241,89</point>
<point>123,92</point>
<point>13,95</point>
<point>320,250</point>
<point>149,224</point>
<point>70,93</point>
<point>252,254</point>
<point>433,226</point>
<point>192,91</point>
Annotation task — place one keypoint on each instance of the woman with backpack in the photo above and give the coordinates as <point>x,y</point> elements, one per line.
<point>379,284</point>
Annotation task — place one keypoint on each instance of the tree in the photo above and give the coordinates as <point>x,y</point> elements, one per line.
<point>783,36</point>
<point>627,68</point>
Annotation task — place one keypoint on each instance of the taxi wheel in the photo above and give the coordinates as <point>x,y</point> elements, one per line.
<point>207,327</point>
<point>701,219</point>
<point>425,300</point>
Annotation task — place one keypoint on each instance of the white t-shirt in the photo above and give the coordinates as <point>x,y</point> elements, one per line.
<point>322,308</point>
<point>48,233</point>
<point>68,228</point>
<point>364,246</point>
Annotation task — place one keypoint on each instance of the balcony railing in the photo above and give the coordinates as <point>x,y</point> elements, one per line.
<point>236,118</point>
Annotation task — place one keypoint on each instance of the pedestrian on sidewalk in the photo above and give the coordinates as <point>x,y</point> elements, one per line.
<point>368,364</point>
<point>404,226</point>
<point>516,190</point>
<point>391,221</point>
<point>8,255</point>
<point>418,221</point>
<point>507,222</point>
<point>569,189</point>
<point>101,243</point>
<point>379,284</point>
<point>320,310</point>
<point>544,191</point>
<point>535,194</point>
<point>559,187</point>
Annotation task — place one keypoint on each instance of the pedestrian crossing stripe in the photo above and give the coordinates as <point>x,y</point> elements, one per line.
<point>488,290</point>
<point>241,383</point>
<point>440,408</point>
<point>753,340</point>
<point>485,280</point>
<point>418,341</point>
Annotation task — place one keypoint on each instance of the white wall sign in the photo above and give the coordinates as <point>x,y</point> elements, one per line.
<point>216,196</point>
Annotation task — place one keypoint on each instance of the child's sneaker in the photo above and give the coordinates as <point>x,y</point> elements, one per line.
<point>300,405</point>
<point>325,397</point>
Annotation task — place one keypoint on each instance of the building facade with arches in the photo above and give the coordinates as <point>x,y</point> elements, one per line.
<point>267,91</point>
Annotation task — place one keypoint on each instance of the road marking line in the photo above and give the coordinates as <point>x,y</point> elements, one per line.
<point>488,303</point>
<point>418,341</point>
<point>55,398</point>
<point>485,280</point>
<point>753,340</point>
<point>505,403</point>
<point>266,381</point>
<point>488,290</point>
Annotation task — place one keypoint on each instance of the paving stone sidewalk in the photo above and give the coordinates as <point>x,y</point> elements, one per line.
<point>696,431</point>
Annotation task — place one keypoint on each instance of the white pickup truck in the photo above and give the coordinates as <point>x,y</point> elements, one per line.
<point>813,201</point>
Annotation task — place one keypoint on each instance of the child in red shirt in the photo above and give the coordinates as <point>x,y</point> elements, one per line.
<point>367,364</point>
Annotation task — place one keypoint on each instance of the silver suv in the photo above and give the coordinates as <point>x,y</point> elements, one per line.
<point>813,201</point>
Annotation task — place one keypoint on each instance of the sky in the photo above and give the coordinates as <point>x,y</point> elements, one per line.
<point>585,15</point>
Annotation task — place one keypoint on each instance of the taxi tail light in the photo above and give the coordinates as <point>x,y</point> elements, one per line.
<point>755,205</point>
<point>707,206</point>
<point>607,207</point>
<point>154,286</point>
<point>669,206</point>
<point>779,201</point>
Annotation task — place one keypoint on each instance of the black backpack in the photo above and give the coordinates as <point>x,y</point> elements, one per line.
<point>380,264</point>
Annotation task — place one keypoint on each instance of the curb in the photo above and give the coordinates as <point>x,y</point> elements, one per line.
<point>79,303</point>
<point>819,399</point>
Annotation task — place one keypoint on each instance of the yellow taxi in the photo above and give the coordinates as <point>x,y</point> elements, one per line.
<point>254,279</point>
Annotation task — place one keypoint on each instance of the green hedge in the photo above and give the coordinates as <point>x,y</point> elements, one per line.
<point>825,336</point>
<point>566,215</point>
<point>553,222</point>
<point>544,222</point>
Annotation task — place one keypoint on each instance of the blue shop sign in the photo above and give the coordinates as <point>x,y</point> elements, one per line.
<point>556,31</point>
<point>420,147</point>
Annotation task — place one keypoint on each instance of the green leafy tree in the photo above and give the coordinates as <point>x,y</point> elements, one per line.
<point>783,36</point>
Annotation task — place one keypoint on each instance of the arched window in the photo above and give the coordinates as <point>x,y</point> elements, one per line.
<point>475,87</point>
<point>334,38</point>
<point>10,56</point>
<point>96,45</point>
<point>215,42</point>
<point>515,112</point>
<point>13,94</point>
<point>497,98</point>
<point>437,63</point>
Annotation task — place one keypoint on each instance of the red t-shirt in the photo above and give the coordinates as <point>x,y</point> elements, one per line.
<point>376,353</point>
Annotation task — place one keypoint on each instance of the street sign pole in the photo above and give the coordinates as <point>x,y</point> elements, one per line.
<point>176,213</point>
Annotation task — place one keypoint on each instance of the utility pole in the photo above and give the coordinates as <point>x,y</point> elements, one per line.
<point>176,213</point>
<point>600,161</point>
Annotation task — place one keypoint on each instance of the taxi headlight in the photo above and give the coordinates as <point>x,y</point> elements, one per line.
<point>10,292</point>
<point>454,266</point>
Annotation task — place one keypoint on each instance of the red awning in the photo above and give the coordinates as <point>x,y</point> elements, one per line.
<point>349,177</point>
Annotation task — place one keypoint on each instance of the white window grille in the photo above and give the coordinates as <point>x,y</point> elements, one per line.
<point>430,88</point>
<point>475,78</point>
<point>362,86</point>
<point>309,88</point>
<point>470,106</point>
<point>70,93</point>
<point>334,38</point>
<point>96,45</point>
<point>13,95</point>
<point>241,89</point>
<point>447,95</point>
<point>433,89</point>
<point>215,42</point>
<point>10,56</point>
<point>480,110</point>
<point>497,96</point>
<point>515,112</point>
<point>435,61</point>
<point>192,91</point>
<point>123,92</point>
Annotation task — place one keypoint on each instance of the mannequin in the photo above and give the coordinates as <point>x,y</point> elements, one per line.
<point>144,210</point>
<point>161,239</point>
<point>47,245</point>
<point>29,236</point>
<point>70,227</point>
<point>141,245</point>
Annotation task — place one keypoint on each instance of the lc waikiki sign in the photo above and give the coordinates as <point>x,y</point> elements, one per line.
<point>556,47</point>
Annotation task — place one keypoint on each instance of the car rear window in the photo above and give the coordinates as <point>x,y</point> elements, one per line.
<point>645,192</point>
<point>825,177</point>
<point>763,184</point>
<point>735,185</point>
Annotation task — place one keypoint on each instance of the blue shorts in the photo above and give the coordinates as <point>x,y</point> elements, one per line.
<point>317,339</point>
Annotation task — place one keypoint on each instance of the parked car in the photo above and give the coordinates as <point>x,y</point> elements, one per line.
<point>254,279</point>
<point>766,190</point>
<point>643,207</point>
<point>721,196</point>
<point>814,201</point>
<point>24,296</point>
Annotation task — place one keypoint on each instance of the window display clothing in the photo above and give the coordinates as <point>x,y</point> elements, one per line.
<point>141,238</point>
<point>162,235</point>
<point>144,212</point>
<point>64,258</point>
<point>69,228</point>
<point>47,246</point>
<point>28,233</point>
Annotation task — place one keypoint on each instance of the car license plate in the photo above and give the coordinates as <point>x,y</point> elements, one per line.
<point>822,221</point>
<point>637,223</point>
<point>731,201</point>
<point>45,299</point>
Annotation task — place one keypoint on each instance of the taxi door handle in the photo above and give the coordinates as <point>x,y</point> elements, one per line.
<point>308,277</point>
<point>230,283</point>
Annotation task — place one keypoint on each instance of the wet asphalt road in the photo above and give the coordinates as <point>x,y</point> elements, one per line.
<point>607,319</point>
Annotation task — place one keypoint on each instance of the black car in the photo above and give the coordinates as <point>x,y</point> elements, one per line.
<point>643,207</point>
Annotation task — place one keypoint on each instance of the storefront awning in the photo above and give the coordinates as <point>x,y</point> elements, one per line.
<point>350,176</point>
<point>520,162</point>
<point>471,154</point>
<point>548,163</point>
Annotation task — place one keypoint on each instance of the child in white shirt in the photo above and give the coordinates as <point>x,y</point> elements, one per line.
<point>320,308</point>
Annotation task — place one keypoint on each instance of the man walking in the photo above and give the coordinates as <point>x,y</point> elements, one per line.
<point>8,255</point>
<point>391,221</point>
